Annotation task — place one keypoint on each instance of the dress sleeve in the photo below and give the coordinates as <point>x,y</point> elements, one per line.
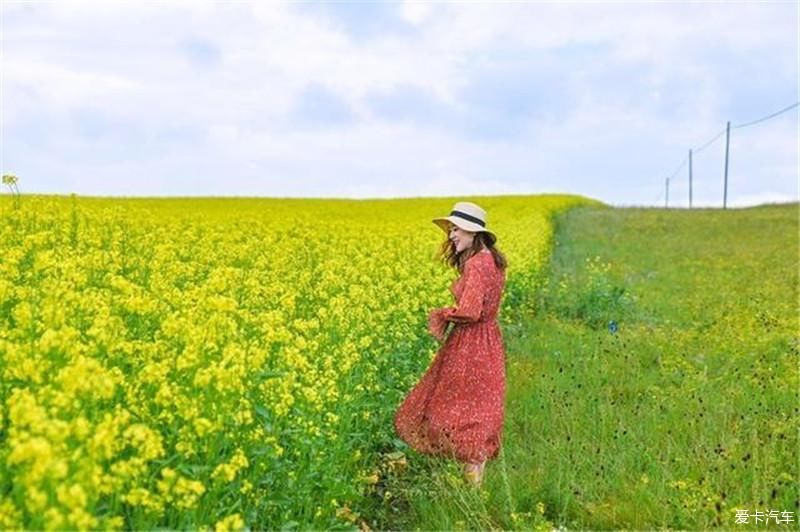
<point>437,325</point>
<point>470,305</point>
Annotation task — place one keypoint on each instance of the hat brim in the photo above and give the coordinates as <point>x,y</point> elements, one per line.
<point>466,225</point>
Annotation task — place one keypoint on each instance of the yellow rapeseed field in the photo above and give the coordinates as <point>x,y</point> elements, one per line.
<point>219,363</point>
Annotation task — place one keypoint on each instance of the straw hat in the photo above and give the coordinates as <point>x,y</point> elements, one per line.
<point>468,217</point>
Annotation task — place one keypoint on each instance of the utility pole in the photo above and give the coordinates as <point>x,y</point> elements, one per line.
<point>690,179</point>
<point>727,149</point>
<point>666,200</point>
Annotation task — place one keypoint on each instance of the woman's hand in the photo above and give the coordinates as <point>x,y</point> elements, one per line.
<point>437,325</point>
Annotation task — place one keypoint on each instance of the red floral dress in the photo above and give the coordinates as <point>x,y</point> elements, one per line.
<point>457,407</point>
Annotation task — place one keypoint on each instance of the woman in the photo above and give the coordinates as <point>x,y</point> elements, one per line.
<point>457,407</point>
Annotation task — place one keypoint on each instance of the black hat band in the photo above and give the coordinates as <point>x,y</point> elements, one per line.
<point>468,218</point>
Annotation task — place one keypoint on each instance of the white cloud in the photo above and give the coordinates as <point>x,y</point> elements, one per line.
<point>616,140</point>
<point>416,12</point>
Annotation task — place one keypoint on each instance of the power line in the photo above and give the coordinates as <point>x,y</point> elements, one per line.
<point>767,117</point>
<point>660,195</point>
<point>724,131</point>
<point>710,142</point>
<point>678,169</point>
<point>685,160</point>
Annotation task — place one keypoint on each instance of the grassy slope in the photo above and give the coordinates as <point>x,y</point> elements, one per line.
<point>685,414</point>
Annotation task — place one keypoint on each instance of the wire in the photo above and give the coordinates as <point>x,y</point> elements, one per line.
<point>661,195</point>
<point>685,160</point>
<point>767,117</point>
<point>658,199</point>
<point>710,142</point>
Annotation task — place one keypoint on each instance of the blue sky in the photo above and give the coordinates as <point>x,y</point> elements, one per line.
<point>401,99</point>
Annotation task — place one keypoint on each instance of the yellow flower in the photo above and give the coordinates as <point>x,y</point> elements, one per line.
<point>232,523</point>
<point>227,472</point>
<point>54,519</point>
<point>188,492</point>
<point>145,499</point>
<point>143,329</point>
<point>10,515</point>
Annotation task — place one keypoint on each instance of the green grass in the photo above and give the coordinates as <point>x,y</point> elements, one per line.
<point>688,412</point>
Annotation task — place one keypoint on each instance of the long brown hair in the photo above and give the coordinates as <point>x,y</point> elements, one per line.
<point>481,240</point>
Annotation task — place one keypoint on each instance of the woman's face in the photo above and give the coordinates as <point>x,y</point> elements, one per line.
<point>461,238</point>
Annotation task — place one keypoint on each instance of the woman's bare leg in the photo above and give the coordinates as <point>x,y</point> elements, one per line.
<point>474,473</point>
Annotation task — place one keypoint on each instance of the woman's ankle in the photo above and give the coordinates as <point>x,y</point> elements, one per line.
<point>474,472</point>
